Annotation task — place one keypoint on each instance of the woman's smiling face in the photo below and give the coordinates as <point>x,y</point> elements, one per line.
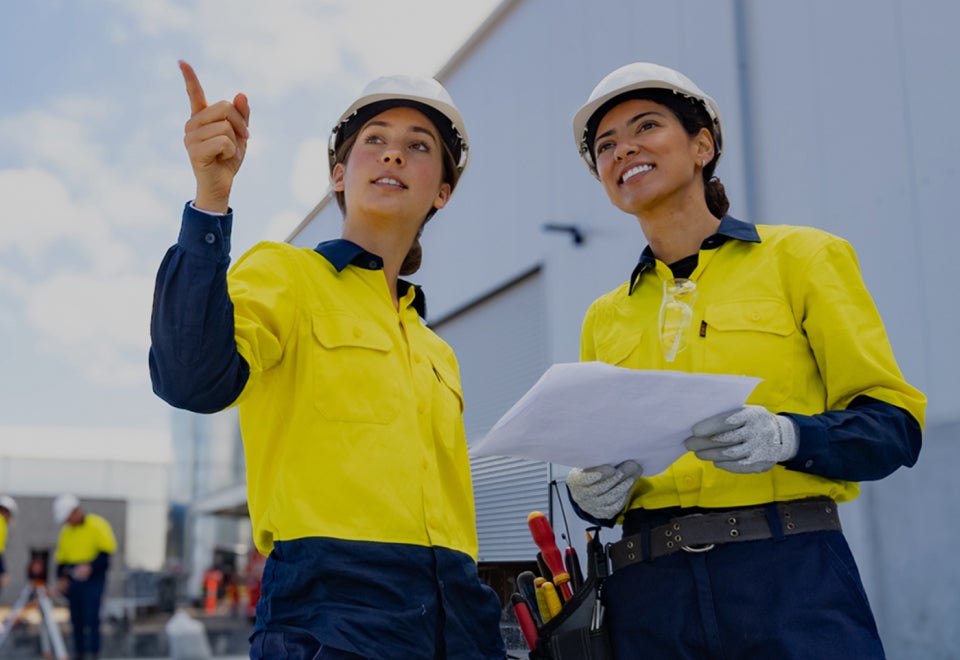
<point>645,157</point>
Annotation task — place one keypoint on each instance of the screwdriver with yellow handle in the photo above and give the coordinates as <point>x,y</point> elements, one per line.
<point>551,598</point>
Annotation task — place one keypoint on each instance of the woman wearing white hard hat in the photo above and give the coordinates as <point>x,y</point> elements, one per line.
<point>358,480</point>
<point>735,551</point>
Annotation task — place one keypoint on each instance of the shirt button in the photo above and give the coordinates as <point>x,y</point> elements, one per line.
<point>357,332</point>
<point>421,408</point>
<point>210,238</point>
<point>688,481</point>
<point>373,264</point>
<point>416,358</point>
<point>809,463</point>
<point>425,465</point>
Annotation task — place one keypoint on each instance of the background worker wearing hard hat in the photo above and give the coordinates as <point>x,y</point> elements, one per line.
<point>735,551</point>
<point>8,511</point>
<point>83,557</point>
<point>358,480</point>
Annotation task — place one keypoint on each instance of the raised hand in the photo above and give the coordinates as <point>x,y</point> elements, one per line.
<point>216,140</point>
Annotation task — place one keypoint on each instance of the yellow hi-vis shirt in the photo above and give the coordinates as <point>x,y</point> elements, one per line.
<point>3,534</point>
<point>352,414</point>
<point>792,310</point>
<point>80,544</point>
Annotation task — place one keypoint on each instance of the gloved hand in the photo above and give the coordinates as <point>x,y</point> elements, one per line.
<point>602,490</point>
<point>751,439</point>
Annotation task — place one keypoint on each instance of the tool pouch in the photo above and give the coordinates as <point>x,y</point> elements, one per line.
<point>578,631</point>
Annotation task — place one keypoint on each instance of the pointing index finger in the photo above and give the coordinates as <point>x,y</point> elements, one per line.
<point>197,99</point>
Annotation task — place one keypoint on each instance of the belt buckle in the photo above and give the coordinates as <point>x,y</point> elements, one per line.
<point>698,548</point>
<point>707,547</point>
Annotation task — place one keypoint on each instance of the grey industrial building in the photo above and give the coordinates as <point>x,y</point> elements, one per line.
<point>838,115</point>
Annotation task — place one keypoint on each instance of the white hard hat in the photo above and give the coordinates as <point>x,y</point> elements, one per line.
<point>8,503</point>
<point>63,506</point>
<point>633,77</point>
<point>425,94</point>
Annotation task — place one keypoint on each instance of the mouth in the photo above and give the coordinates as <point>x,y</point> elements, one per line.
<point>389,181</point>
<point>634,171</point>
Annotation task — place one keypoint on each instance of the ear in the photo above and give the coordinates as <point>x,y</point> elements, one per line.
<point>704,146</point>
<point>336,177</point>
<point>443,196</point>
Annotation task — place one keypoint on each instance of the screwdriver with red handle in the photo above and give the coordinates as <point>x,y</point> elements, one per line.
<point>527,626</point>
<point>542,533</point>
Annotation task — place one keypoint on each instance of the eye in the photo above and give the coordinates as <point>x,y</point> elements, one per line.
<point>372,138</point>
<point>603,146</point>
<point>421,146</point>
<point>646,125</point>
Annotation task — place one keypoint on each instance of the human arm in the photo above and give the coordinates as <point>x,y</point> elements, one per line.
<point>872,421</point>
<point>194,363</point>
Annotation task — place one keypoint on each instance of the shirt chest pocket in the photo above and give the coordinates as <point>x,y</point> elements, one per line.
<point>753,338</point>
<point>447,405</point>
<point>355,371</point>
<point>624,346</point>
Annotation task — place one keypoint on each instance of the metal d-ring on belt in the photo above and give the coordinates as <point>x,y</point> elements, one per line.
<point>700,532</point>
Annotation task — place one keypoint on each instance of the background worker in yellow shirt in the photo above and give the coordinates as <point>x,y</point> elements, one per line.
<point>358,479</point>
<point>8,511</point>
<point>735,551</point>
<point>83,557</point>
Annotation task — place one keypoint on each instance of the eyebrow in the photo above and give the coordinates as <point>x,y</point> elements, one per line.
<point>413,129</point>
<point>631,121</point>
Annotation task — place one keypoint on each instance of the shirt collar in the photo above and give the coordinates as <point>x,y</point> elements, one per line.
<point>729,228</point>
<point>342,253</point>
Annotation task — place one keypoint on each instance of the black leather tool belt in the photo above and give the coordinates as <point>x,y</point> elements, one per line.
<point>700,532</point>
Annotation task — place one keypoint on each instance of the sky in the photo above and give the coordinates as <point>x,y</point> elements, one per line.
<point>94,175</point>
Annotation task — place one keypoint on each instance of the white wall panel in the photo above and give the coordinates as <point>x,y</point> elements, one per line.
<point>501,347</point>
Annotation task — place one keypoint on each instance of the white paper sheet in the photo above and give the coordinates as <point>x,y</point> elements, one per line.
<point>583,414</point>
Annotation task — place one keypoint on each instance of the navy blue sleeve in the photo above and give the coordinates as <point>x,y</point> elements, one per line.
<point>2,567</point>
<point>865,442</point>
<point>194,363</point>
<point>100,564</point>
<point>606,522</point>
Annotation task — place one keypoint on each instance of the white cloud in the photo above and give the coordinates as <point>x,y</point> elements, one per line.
<point>311,172</point>
<point>40,214</point>
<point>95,323</point>
<point>278,47</point>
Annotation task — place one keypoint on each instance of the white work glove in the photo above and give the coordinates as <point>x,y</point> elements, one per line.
<point>751,439</point>
<point>602,490</point>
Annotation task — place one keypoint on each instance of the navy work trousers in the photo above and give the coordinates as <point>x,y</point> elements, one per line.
<point>84,598</point>
<point>293,645</point>
<point>791,597</point>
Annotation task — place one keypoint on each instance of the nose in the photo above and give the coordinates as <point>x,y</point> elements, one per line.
<point>624,149</point>
<point>392,154</point>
